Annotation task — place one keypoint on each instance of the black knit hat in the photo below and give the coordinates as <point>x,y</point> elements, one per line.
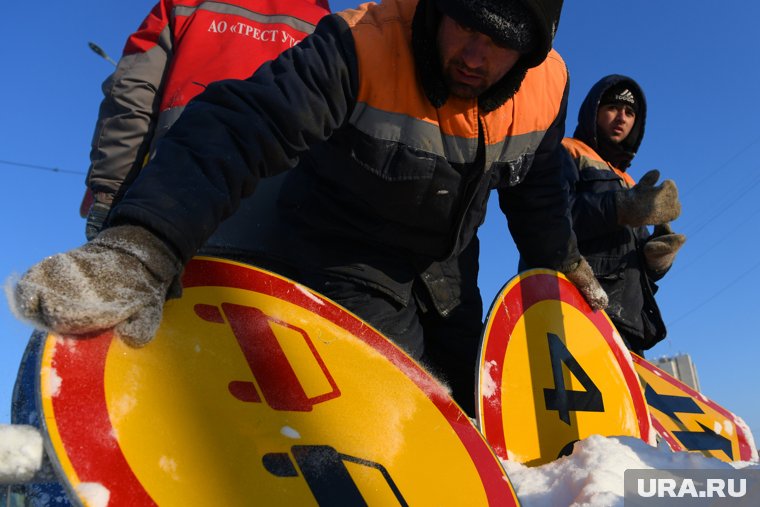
<point>621,94</point>
<point>506,22</point>
<point>525,25</point>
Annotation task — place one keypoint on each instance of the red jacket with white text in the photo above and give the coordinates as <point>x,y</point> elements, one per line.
<point>181,47</point>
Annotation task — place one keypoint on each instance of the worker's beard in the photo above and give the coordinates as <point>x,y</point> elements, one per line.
<point>463,82</point>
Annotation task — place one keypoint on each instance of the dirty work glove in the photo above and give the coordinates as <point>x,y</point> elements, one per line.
<point>582,276</point>
<point>661,248</point>
<point>646,204</point>
<point>96,217</point>
<point>118,280</point>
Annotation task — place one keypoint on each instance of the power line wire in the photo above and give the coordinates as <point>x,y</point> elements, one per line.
<point>42,168</point>
<point>733,200</point>
<point>711,173</point>
<point>715,294</point>
<point>698,227</point>
<point>718,241</point>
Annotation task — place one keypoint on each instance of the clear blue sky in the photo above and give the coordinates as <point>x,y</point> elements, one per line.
<point>696,61</point>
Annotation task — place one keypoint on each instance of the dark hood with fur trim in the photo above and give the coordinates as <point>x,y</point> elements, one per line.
<point>424,34</point>
<point>620,155</point>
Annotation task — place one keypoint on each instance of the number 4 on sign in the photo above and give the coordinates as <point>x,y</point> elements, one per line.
<point>562,399</point>
<point>553,371</point>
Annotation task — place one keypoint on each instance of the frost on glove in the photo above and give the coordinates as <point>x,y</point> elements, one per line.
<point>647,204</point>
<point>119,280</point>
<point>661,248</point>
<point>583,278</point>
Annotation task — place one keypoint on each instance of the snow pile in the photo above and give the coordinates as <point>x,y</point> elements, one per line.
<point>593,474</point>
<point>20,453</point>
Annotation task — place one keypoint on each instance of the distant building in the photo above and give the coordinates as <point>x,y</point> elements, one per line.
<point>681,367</point>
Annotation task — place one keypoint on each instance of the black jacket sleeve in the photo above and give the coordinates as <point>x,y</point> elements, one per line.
<point>594,212</point>
<point>537,209</point>
<point>238,131</point>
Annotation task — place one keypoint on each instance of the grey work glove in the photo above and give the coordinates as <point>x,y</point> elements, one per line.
<point>119,280</point>
<point>647,204</point>
<point>661,248</point>
<point>583,278</point>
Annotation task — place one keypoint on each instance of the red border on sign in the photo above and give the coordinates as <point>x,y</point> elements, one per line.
<point>529,290</point>
<point>745,450</point>
<point>674,444</point>
<point>84,424</point>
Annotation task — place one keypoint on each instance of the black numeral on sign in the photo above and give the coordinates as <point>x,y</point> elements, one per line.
<point>561,399</point>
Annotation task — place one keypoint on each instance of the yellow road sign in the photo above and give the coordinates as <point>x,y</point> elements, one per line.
<point>553,372</point>
<point>689,421</point>
<point>257,391</point>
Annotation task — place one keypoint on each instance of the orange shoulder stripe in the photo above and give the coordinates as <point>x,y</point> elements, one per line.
<point>581,151</point>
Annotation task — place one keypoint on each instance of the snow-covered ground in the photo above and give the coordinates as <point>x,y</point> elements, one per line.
<point>591,476</point>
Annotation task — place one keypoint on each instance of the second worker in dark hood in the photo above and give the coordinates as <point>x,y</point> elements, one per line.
<point>611,211</point>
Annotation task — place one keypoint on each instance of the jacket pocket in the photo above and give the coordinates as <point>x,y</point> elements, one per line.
<point>396,181</point>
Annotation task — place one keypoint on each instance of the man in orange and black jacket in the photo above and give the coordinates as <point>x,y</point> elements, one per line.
<point>395,122</point>
<point>611,212</point>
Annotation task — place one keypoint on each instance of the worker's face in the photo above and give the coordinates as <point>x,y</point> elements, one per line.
<point>471,61</point>
<point>615,121</point>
